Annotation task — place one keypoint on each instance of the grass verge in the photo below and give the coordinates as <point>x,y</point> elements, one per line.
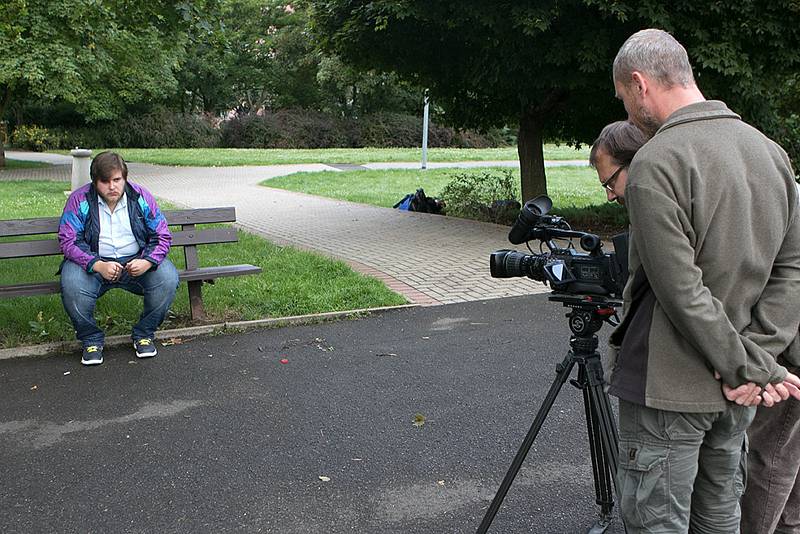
<point>574,190</point>
<point>223,157</point>
<point>20,164</point>
<point>293,282</point>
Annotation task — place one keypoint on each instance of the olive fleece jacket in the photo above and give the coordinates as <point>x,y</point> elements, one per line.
<point>714,258</point>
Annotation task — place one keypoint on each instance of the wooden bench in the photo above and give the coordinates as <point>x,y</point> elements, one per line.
<point>187,237</point>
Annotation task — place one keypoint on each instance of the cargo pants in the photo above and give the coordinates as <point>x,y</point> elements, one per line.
<point>681,472</point>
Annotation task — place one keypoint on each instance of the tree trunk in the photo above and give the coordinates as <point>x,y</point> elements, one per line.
<point>531,157</point>
<point>5,97</point>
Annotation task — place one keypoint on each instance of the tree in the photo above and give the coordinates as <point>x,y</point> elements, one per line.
<point>260,55</point>
<point>256,57</point>
<point>546,65</point>
<point>354,93</point>
<point>98,56</point>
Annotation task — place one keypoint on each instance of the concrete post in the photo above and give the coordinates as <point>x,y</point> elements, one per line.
<point>81,160</point>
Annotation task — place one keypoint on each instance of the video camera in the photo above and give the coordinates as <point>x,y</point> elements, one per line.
<point>569,272</point>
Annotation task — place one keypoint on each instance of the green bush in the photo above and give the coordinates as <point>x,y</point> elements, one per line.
<point>390,130</point>
<point>286,128</point>
<point>161,129</point>
<point>300,128</point>
<point>483,197</point>
<point>36,138</point>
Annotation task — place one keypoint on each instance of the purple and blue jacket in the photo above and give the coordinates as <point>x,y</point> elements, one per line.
<point>79,228</point>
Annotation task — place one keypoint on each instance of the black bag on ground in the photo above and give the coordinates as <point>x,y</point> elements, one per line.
<point>420,202</point>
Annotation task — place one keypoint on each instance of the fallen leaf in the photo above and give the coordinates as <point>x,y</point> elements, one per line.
<point>172,341</point>
<point>419,420</point>
<point>324,478</point>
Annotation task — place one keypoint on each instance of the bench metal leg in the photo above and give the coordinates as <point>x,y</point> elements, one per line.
<point>196,299</point>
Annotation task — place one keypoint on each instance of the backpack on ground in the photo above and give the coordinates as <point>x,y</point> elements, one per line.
<point>419,202</point>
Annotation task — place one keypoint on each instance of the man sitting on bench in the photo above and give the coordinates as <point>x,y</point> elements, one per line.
<point>113,235</point>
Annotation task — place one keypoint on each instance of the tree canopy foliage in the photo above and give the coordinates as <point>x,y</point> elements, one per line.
<point>97,56</point>
<point>260,55</point>
<point>546,65</point>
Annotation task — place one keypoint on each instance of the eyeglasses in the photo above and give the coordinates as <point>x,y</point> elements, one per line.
<point>608,183</point>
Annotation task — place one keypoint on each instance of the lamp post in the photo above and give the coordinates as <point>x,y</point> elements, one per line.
<point>425,131</point>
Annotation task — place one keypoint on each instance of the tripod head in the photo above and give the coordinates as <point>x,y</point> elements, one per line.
<point>588,312</point>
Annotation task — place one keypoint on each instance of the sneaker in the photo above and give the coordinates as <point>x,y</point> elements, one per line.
<point>145,348</point>
<point>92,355</point>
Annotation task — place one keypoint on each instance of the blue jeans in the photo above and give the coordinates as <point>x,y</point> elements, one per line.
<point>80,291</point>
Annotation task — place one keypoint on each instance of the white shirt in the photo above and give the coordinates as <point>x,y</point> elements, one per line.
<point>116,237</point>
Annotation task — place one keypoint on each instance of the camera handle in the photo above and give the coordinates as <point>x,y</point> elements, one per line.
<point>585,319</point>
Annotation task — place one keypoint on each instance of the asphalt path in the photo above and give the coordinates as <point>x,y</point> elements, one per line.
<point>215,434</point>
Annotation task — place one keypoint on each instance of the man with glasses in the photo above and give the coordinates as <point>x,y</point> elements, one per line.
<point>612,153</point>
<point>713,291</point>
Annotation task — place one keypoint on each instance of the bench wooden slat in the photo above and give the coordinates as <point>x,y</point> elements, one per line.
<point>37,226</point>
<point>29,249</point>
<point>201,274</point>
<point>49,247</point>
<point>49,225</point>
<point>200,216</point>
<point>204,237</point>
<point>210,273</point>
<point>29,290</point>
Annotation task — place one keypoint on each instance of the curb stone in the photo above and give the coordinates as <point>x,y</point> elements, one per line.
<point>74,346</point>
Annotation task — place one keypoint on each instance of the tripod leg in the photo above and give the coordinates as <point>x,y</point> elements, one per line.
<point>600,460</point>
<point>606,426</point>
<point>602,407</point>
<point>563,371</point>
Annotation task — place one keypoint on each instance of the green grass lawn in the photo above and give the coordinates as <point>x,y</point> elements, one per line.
<point>222,157</point>
<point>567,186</point>
<point>20,164</point>
<point>292,283</point>
<point>575,192</point>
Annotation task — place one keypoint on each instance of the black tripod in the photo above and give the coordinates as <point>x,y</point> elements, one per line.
<point>585,318</point>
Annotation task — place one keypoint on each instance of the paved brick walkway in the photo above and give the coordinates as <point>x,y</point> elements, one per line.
<point>430,259</point>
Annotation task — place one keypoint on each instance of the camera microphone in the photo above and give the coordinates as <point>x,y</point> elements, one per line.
<point>528,215</point>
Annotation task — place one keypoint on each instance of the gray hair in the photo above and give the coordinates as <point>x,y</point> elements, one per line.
<point>657,54</point>
<point>620,140</point>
